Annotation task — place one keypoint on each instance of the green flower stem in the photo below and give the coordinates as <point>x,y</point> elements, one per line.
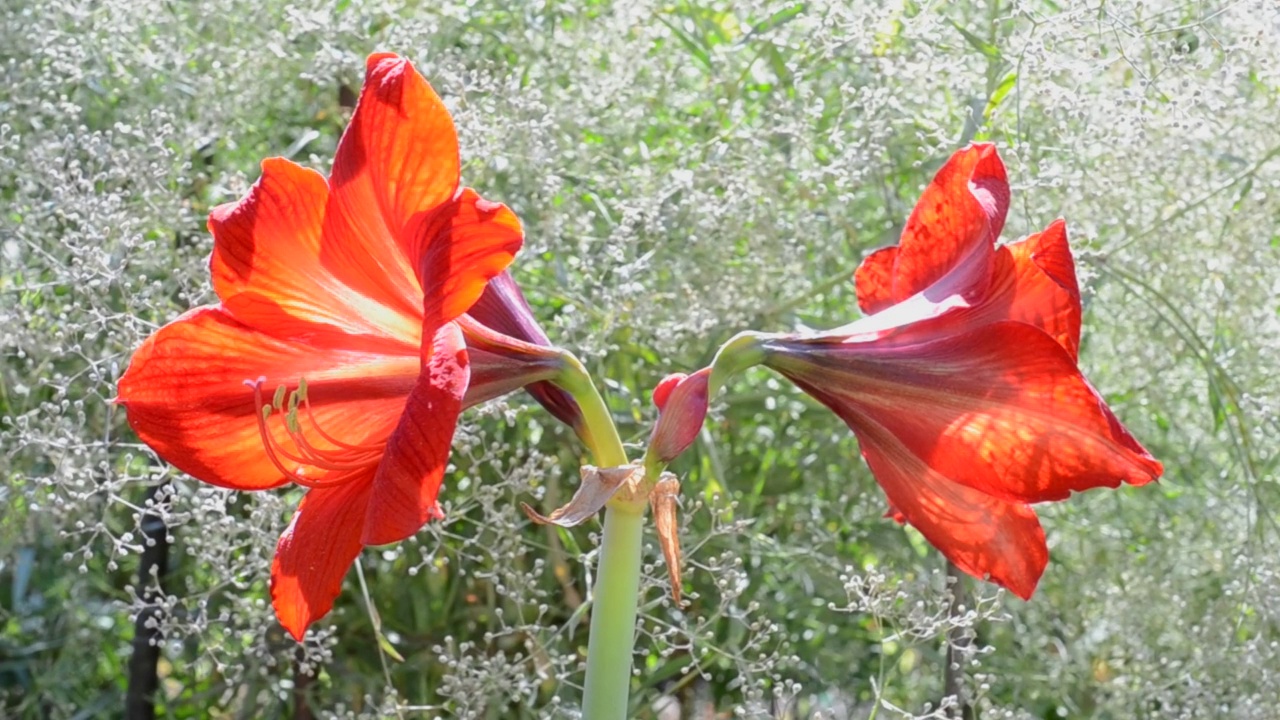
<point>610,648</point>
<point>598,430</point>
<point>742,351</point>
<point>616,595</point>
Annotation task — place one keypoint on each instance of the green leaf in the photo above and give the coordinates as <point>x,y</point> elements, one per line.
<point>569,542</point>
<point>778,19</point>
<point>388,648</point>
<point>978,43</point>
<point>1002,91</point>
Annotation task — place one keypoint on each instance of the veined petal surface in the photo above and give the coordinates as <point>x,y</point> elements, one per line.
<point>396,166</point>
<point>1001,409</point>
<point>315,552</point>
<point>984,536</point>
<point>333,359</point>
<point>408,480</point>
<point>185,395</point>
<point>266,267</point>
<point>461,250</point>
<point>948,244</point>
<point>1034,281</point>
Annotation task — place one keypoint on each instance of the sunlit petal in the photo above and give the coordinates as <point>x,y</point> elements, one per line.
<point>874,280</point>
<point>1035,282</point>
<point>948,243</point>
<point>1002,409</point>
<point>662,391</point>
<point>315,552</point>
<point>408,480</point>
<point>984,536</point>
<point>185,394</point>
<point>461,250</point>
<point>396,166</point>
<point>266,265</point>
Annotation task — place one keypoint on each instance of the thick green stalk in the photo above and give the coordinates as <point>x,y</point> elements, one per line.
<point>739,353</point>
<point>610,648</point>
<point>616,595</point>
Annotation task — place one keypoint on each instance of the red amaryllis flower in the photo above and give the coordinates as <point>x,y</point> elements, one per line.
<point>336,358</point>
<point>961,384</point>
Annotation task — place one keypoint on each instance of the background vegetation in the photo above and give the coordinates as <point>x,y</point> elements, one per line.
<point>684,170</point>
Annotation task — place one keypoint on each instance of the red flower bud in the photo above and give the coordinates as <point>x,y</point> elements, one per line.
<point>683,402</point>
<point>663,389</point>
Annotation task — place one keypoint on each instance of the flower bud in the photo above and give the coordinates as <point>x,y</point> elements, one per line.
<point>663,389</point>
<point>682,401</point>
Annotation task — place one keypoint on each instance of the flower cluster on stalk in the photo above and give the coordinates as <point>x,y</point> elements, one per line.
<point>359,314</point>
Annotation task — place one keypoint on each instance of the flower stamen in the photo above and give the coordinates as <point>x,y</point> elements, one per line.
<point>340,465</point>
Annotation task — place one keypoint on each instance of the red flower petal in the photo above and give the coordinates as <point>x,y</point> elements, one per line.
<point>1035,282</point>
<point>266,265</point>
<point>396,165</point>
<point>1002,409</point>
<point>984,536</point>
<point>315,552</point>
<point>458,259</point>
<point>294,256</point>
<point>408,480</point>
<point>948,243</point>
<point>185,396</point>
<point>874,280</point>
<point>662,391</point>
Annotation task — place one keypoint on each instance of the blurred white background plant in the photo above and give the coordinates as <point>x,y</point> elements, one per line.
<point>684,170</point>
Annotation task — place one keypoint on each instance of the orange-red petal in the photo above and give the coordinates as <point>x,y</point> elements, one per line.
<point>1034,281</point>
<point>874,280</point>
<point>266,265</point>
<point>396,163</point>
<point>948,244</point>
<point>1014,419</point>
<point>461,251</point>
<point>984,536</point>
<point>315,552</point>
<point>1002,409</point>
<point>185,395</point>
<point>408,480</point>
